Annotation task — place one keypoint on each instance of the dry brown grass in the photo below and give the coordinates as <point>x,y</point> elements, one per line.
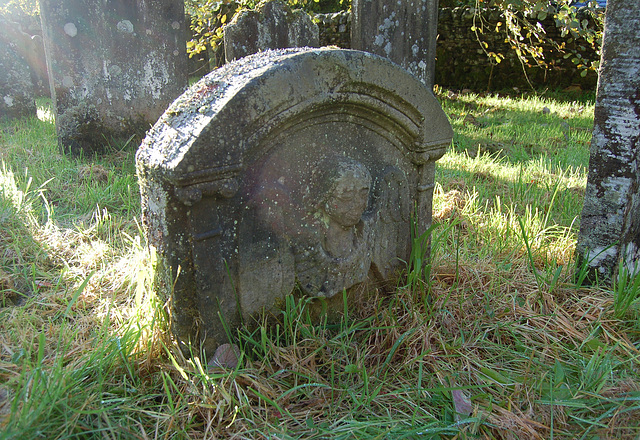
<point>85,350</point>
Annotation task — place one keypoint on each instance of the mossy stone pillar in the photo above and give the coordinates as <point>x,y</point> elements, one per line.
<point>114,67</point>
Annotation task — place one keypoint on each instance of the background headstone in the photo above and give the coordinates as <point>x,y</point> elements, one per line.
<point>403,31</point>
<point>16,89</point>
<point>114,67</point>
<point>610,225</point>
<point>289,167</point>
<point>30,47</point>
<point>272,25</point>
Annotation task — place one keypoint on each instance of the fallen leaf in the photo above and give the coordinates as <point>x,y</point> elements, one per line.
<point>461,403</point>
<point>470,119</point>
<point>226,356</point>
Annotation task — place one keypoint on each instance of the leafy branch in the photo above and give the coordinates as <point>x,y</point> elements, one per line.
<point>521,22</point>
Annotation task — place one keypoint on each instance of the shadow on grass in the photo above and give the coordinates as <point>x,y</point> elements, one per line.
<point>22,258</point>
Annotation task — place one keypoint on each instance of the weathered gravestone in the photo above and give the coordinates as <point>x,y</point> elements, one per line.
<point>31,48</point>
<point>291,167</point>
<point>610,225</point>
<point>403,31</point>
<point>114,67</point>
<point>272,25</point>
<point>16,89</point>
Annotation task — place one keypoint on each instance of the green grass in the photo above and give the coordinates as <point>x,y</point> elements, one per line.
<point>495,338</point>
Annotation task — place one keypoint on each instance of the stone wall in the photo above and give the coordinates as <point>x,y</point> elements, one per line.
<point>335,29</point>
<point>461,62</point>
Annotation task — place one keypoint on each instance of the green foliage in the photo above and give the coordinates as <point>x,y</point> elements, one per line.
<point>19,7</point>
<point>522,25</point>
<point>208,17</point>
<point>418,268</point>
<point>626,291</point>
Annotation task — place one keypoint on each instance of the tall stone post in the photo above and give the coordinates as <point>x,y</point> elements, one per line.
<point>16,90</point>
<point>114,67</point>
<point>610,227</point>
<point>403,31</point>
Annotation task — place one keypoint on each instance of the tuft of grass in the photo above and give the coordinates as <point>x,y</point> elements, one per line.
<point>626,291</point>
<point>492,337</point>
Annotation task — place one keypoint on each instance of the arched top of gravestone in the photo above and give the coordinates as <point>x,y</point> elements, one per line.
<point>230,116</point>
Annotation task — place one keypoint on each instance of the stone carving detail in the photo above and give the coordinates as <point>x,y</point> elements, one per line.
<point>330,237</point>
<point>262,178</point>
<point>342,256</point>
<point>272,25</point>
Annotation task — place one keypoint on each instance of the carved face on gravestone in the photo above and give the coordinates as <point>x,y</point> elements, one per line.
<point>347,200</point>
<point>342,209</point>
<point>340,256</point>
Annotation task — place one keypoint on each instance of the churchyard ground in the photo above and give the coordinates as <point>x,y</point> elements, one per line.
<point>495,336</point>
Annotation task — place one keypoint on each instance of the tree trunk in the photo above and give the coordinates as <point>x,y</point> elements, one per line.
<point>610,226</point>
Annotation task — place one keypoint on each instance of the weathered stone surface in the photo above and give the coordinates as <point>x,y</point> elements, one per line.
<point>403,31</point>
<point>290,167</point>
<point>37,61</point>
<point>16,90</point>
<point>114,66</point>
<point>610,226</point>
<point>30,47</point>
<point>272,25</point>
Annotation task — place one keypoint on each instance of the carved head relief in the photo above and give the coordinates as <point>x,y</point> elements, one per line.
<point>347,198</point>
<point>343,203</point>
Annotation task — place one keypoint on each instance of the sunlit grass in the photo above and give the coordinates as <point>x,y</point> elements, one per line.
<point>497,341</point>
<point>45,111</point>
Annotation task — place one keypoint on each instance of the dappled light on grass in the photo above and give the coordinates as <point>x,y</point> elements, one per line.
<point>79,321</point>
<point>45,114</point>
<point>496,226</point>
<point>512,206</point>
<point>493,340</point>
<point>520,130</point>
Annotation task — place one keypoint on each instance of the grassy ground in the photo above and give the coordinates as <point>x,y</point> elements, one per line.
<point>495,339</point>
